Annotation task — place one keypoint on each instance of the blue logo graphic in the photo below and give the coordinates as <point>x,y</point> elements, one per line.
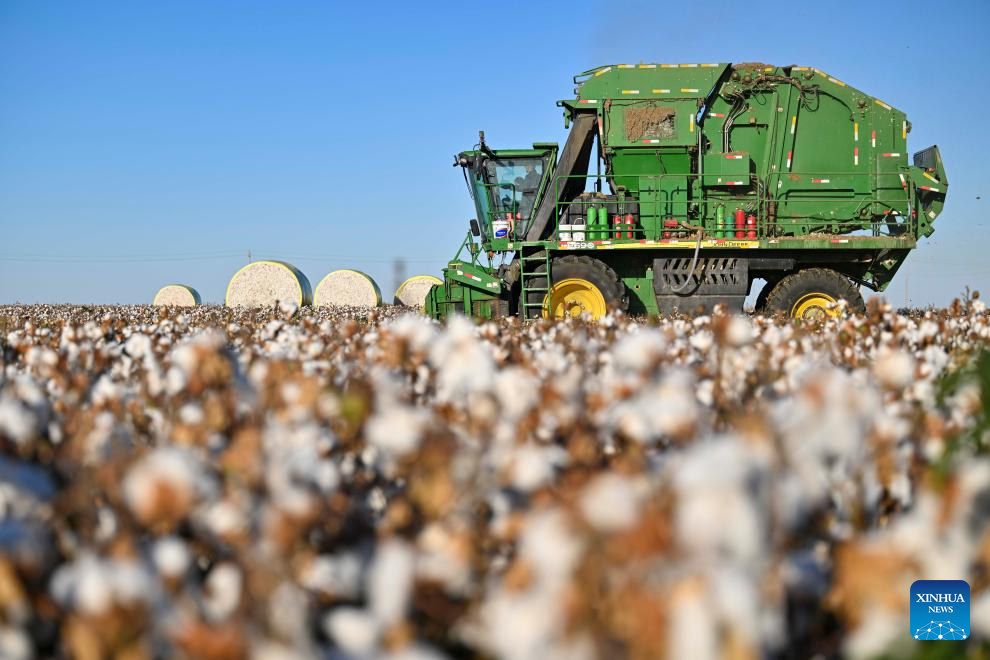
<point>940,609</point>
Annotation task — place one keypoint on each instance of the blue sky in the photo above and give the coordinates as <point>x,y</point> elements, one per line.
<point>143,143</point>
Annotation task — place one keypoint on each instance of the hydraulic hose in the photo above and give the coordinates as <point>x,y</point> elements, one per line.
<point>694,263</point>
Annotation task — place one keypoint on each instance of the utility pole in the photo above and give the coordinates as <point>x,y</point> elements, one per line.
<point>249,255</point>
<point>398,273</point>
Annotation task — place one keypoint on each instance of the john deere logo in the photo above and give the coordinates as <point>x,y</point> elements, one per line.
<point>940,609</point>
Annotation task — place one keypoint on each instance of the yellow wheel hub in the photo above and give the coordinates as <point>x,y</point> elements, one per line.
<point>574,297</point>
<point>816,306</point>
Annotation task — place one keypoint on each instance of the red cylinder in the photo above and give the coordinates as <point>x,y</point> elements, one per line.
<point>740,219</point>
<point>750,226</point>
<point>629,225</point>
<point>617,222</point>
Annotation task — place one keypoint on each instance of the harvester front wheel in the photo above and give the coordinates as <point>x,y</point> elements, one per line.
<point>812,294</point>
<point>583,285</point>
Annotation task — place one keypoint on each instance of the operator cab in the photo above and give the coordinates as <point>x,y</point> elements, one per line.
<point>506,185</point>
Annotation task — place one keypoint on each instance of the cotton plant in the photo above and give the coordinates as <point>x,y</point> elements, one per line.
<point>333,482</point>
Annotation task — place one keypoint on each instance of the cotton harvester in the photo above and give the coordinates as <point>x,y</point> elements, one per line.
<point>682,184</point>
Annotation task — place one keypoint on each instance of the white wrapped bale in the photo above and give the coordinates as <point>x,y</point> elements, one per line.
<point>263,283</point>
<point>413,292</point>
<point>350,288</point>
<point>177,295</point>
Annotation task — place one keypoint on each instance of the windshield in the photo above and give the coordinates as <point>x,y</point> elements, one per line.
<point>514,184</point>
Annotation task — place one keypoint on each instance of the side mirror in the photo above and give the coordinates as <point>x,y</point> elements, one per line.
<point>475,229</point>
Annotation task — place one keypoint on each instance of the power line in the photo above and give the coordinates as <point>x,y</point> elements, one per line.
<point>352,258</point>
<point>95,259</point>
<point>142,258</point>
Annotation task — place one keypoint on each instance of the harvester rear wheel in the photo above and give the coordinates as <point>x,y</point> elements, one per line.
<point>811,294</point>
<point>582,285</point>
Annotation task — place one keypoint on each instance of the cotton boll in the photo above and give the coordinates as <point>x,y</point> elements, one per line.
<point>225,518</point>
<point>894,369</point>
<point>17,422</point>
<point>270,650</point>
<point>738,332</point>
<point>175,381</point>
<point>138,346</point>
<point>532,467</point>
<point>550,546</point>
<point>91,591</point>
<point>164,485</point>
<point>91,586</point>
<point>397,430</point>
<point>15,644</point>
<point>638,349</point>
<point>191,414</point>
<point>416,651</point>
<point>980,614</point>
<point>443,555</point>
<point>171,556</point>
<point>287,612</point>
<point>463,365</point>
<point>520,625</point>
<point>336,575</point>
<point>718,514</point>
<point>610,504</point>
<point>354,630</point>
<point>702,340</point>
<point>222,595</point>
<point>416,329</point>
<point>517,391</point>
<point>390,581</point>
<point>881,632</point>
<point>705,392</point>
<point>692,627</point>
<point>131,583</point>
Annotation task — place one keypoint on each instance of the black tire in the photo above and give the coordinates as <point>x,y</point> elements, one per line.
<point>785,296</point>
<point>586,268</point>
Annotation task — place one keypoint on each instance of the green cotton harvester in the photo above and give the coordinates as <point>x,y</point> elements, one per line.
<point>681,184</point>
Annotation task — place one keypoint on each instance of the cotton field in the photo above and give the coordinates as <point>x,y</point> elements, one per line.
<point>329,483</point>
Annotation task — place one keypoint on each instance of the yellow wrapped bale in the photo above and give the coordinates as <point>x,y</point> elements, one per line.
<point>263,283</point>
<point>350,288</point>
<point>413,292</point>
<point>177,295</point>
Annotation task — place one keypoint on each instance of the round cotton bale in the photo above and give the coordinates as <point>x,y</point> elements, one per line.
<point>351,288</point>
<point>263,283</point>
<point>177,295</point>
<point>413,292</point>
